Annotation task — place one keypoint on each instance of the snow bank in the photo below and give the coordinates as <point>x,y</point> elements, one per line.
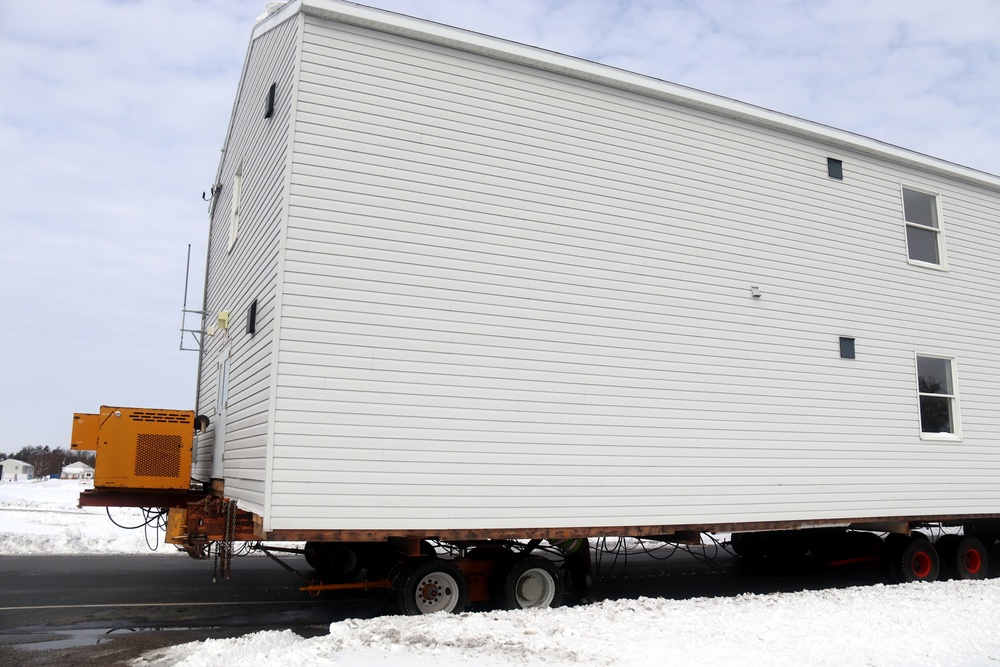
<point>42,517</point>
<point>950,623</point>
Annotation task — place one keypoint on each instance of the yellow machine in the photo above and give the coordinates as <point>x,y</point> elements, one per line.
<point>138,448</point>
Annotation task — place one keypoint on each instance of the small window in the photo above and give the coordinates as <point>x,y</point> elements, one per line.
<point>234,210</point>
<point>835,168</point>
<point>252,318</point>
<point>923,232</point>
<point>269,105</point>
<point>846,348</point>
<point>938,396</point>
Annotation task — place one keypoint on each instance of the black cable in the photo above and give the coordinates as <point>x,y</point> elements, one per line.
<point>159,525</point>
<point>141,525</point>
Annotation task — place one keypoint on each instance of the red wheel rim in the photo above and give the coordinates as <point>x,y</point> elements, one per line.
<point>973,561</point>
<point>921,565</point>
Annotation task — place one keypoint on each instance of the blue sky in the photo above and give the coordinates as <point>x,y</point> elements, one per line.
<point>114,113</point>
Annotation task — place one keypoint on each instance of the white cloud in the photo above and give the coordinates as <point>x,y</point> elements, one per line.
<point>112,129</point>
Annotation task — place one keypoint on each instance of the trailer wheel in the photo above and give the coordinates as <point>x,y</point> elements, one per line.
<point>985,532</point>
<point>912,558</point>
<point>380,570</point>
<point>946,548</point>
<point>751,546</point>
<point>312,553</point>
<point>847,548</point>
<point>428,586</point>
<point>963,557</point>
<point>335,561</point>
<point>529,583</point>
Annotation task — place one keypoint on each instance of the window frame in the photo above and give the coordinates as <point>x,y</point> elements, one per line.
<point>942,264</point>
<point>272,93</point>
<point>953,397</point>
<point>235,206</point>
<point>223,370</point>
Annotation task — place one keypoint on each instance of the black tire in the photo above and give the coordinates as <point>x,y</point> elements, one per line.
<point>912,558</point>
<point>946,546</point>
<point>847,547</point>
<point>892,554</point>
<point>963,557</point>
<point>336,562</point>
<point>429,586</point>
<point>380,570</point>
<point>862,544</point>
<point>774,549</point>
<point>825,544</point>
<point>752,546</point>
<point>531,582</point>
<point>986,532</point>
<point>312,553</point>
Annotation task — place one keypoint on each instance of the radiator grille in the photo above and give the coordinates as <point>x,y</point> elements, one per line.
<point>157,455</point>
<point>159,416</point>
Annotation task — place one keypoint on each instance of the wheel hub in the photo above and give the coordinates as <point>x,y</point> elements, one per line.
<point>433,593</point>
<point>530,589</point>
<point>973,561</point>
<point>534,589</point>
<point>922,565</point>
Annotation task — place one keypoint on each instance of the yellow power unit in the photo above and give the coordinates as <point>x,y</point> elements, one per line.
<point>138,448</point>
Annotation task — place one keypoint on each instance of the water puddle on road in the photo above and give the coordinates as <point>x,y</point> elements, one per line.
<point>77,638</point>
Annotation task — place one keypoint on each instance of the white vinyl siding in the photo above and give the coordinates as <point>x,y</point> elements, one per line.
<point>515,299</point>
<point>243,265</point>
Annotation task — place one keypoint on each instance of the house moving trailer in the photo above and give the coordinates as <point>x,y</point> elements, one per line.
<point>465,290</point>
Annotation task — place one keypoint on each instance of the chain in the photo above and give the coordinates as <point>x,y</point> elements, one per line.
<point>224,547</point>
<point>228,535</point>
<point>215,566</point>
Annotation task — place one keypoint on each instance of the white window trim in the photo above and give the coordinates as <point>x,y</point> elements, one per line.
<point>956,412</point>
<point>942,245</point>
<point>223,379</point>
<point>235,206</point>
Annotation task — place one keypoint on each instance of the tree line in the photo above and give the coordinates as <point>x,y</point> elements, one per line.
<point>49,461</point>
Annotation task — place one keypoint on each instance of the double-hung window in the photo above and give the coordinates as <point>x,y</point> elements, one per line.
<point>938,396</point>
<point>923,228</point>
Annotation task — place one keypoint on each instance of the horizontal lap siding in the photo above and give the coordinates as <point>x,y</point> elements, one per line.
<point>513,299</point>
<point>250,270</point>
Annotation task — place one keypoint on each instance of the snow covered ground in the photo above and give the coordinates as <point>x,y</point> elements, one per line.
<point>42,517</point>
<point>945,623</point>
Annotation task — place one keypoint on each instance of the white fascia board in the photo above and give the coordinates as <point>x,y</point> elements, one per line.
<point>275,18</point>
<point>494,47</point>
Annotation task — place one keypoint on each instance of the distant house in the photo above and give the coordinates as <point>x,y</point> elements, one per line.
<point>78,470</point>
<point>12,470</point>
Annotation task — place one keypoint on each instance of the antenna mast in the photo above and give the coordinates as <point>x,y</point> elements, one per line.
<point>198,334</point>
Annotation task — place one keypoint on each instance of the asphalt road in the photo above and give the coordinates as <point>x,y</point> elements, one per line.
<point>86,610</point>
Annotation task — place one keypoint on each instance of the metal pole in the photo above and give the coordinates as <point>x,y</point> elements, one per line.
<point>187,274</point>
